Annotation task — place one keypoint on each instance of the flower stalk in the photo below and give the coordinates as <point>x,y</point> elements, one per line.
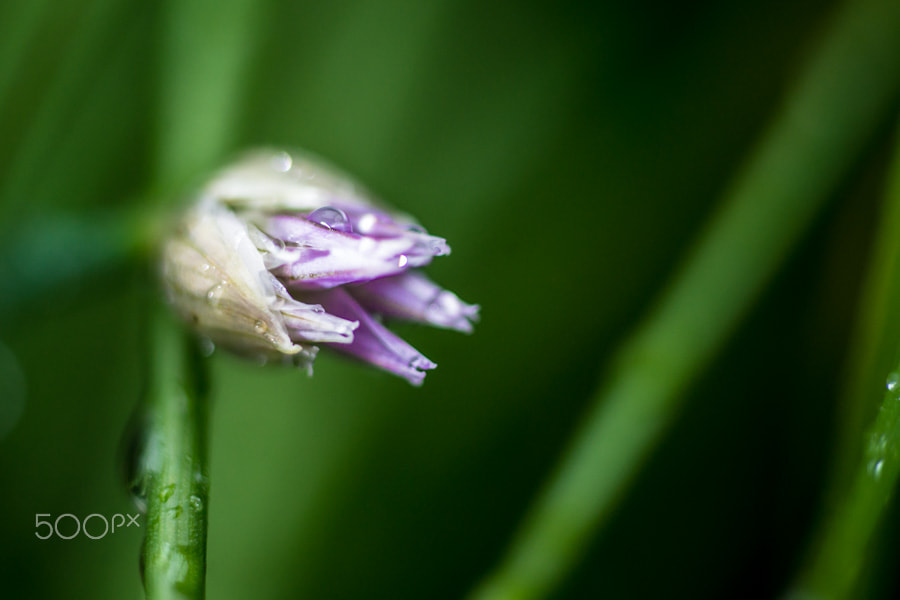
<point>172,471</point>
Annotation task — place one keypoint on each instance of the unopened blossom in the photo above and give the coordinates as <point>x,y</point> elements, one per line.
<point>281,254</point>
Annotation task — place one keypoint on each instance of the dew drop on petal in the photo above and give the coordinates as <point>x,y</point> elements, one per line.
<point>366,223</point>
<point>332,218</point>
<point>215,293</point>
<point>282,162</point>
<point>415,229</point>
<point>260,326</point>
<point>403,261</point>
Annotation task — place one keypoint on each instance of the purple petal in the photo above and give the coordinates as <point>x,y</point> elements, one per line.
<point>372,342</point>
<point>379,223</point>
<point>413,297</point>
<point>313,256</point>
<point>313,324</point>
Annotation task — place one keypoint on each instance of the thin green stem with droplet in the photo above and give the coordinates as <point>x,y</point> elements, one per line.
<point>172,473</point>
<point>840,549</point>
<point>874,350</point>
<point>843,95</point>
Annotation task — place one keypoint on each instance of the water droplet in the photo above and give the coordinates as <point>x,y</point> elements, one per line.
<point>403,261</point>
<point>204,267</point>
<point>332,218</point>
<point>207,347</point>
<point>139,458</point>
<point>166,492</point>
<point>215,293</point>
<point>892,381</point>
<point>196,502</point>
<point>366,223</point>
<point>875,467</point>
<point>138,495</point>
<point>878,444</point>
<point>415,229</point>
<point>282,162</point>
<point>260,327</point>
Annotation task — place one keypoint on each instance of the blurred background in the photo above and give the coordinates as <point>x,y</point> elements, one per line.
<point>568,151</point>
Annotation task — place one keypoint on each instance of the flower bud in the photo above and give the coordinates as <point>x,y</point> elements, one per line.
<point>280,253</point>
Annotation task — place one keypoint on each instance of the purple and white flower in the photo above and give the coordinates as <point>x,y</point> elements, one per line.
<point>281,253</point>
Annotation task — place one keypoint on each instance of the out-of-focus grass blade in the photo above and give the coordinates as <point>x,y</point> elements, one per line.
<point>845,92</point>
<point>20,20</point>
<point>205,53</point>
<point>95,28</point>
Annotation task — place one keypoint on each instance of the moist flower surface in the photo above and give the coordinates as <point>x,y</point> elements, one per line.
<point>281,253</point>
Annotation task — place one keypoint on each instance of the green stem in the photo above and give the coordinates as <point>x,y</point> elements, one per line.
<point>172,471</point>
<point>838,102</point>
<point>862,496</point>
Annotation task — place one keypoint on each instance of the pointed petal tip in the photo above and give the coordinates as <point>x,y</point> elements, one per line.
<point>416,379</point>
<point>422,363</point>
<point>416,371</point>
<point>448,311</point>
<point>440,247</point>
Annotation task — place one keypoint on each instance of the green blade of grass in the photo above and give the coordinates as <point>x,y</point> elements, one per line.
<point>204,58</point>
<point>861,496</point>
<point>844,93</point>
<point>874,350</point>
<point>99,24</point>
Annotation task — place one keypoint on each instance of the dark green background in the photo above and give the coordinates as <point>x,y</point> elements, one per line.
<point>568,151</point>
